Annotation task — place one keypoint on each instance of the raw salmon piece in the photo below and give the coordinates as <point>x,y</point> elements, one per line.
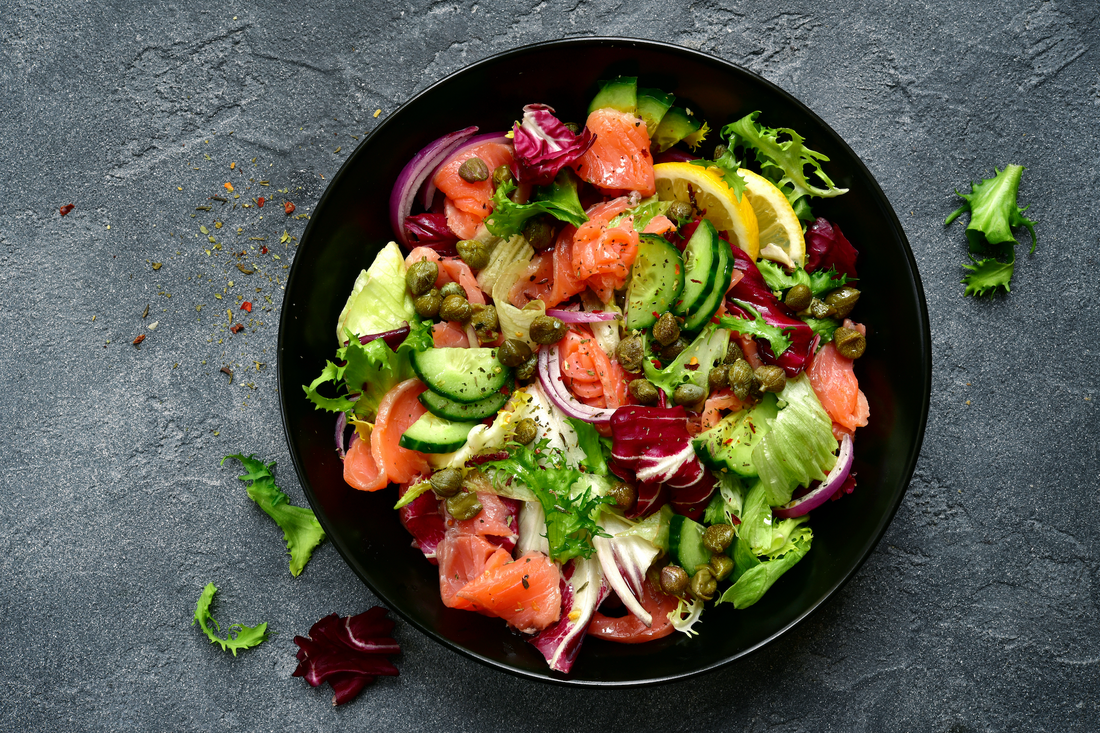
<point>589,372</point>
<point>549,277</point>
<point>396,412</point>
<point>619,158</point>
<point>496,518</point>
<point>448,333</point>
<point>602,257</point>
<point>462,223</point>
<point>361,469</point>
<point>472,198</point>
<point>463,558</point>
<point>723,399</point>
<point>837,388</point>
<point>525,593</point>
<point>659,225</point>
<point>459,272</point>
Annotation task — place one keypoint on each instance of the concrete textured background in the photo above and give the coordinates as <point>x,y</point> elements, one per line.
<point>979,610</point>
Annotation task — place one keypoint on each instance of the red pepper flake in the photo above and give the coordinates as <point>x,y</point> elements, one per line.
<point>246,306</point>
<point>236,328</point>
<point>260,202</point>
<point>288,208</point>
<point>263,250</point>
<point>66,209</point>
<point>139,339</point>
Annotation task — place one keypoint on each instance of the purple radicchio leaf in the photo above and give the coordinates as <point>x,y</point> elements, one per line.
<point>544,145</point>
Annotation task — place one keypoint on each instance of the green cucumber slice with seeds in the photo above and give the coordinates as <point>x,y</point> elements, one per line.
<point>652,106</point>
<point>461,375</point>
<point>441,406</point>
<point>685,541</point>
<point>713,298</point>
<point>656,281</point>
<point>700,274</point>
<point>432,434</point>
<point>675,126</point>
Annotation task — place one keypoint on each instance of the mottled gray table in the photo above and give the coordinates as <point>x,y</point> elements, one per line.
<point>977,612</point>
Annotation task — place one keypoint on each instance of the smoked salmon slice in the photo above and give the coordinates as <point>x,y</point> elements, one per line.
<point>837,388</point>
<point>619,157</point>
<point>525,593</point>
<point>396,412</point>
<point>463,558</point>
<point>474,199</point>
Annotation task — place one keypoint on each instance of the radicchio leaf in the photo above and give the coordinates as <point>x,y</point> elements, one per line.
<point>431,230</point>
<point>827,247</point>
<point>544,145</point>
<point>583,589</point>
<point>347,652</point>
<point>422,519</point>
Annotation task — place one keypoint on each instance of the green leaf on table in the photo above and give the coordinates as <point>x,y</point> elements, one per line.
<point>244,637</point>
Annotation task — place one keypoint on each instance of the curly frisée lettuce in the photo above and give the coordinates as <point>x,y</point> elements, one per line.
<point>559,199</point>
<point>379,301</point>
<point>245,637</point>
<point>819,282</point>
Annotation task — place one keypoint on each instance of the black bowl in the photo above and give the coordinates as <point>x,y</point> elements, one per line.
<point>351,224</point>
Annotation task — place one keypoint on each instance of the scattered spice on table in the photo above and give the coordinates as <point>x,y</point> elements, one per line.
<point>227,370</point>
<point>246,306</point>
<point>236,328</point>
<point>260,202</point>
<point>288,207</point>
<point>139,339</point>
<point>66,209</point>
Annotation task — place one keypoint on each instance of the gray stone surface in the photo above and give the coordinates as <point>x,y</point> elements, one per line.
<point>978,612</point>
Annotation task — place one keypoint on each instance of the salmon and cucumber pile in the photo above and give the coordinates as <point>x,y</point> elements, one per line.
<point>605,378</point>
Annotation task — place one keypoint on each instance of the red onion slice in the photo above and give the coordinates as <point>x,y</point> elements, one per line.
<point>392,338</point>
<point>828,487</point>
<point>341,428</point>
<point>489,137</point>
<point>549,372</point>
<point>413,175</point>
<point>581,317</point>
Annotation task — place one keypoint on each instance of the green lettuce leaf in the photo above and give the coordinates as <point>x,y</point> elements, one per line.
<point>559,199</point>
<point>728,502</point>
<point>755,577</point>
<point>727,165</point>
<point>595,461</point>
<point>708,349</point>
<point>819,283</point>
<point>823,327</point>
<point>777,337</point>
<point>643,213</point>
<point>379,300</point>
<point>300,528</point>
<point>987,275</point>
<point>244,637</point>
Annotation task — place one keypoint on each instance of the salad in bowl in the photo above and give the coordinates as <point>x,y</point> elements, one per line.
<point>606,379</point>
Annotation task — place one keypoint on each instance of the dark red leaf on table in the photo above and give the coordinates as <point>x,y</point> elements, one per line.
<point>347,652</point>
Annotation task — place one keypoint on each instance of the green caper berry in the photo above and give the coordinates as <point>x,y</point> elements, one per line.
<point>455,308</point>
<point>721,566</point>
<point>446,483</point>
<point>741,379</point>
<point>643,392</point>
<point>573,127</point>
<point>733,352</point>
<point>843,300</point>
<point>463,505</point>
<point>526,430</point>
<point>452,288</point>
<point>547,330</point>
<point>526,371</point>
<point>688,394</point>
<point>513,353</point>
<point>473,170</point>
<point>719,151</point>
<point>421,277</point>
<point>630,354</point>
<point>849,342</point>
<point>666,329</point>
<point>485,323</point>
<point>670,352</point>
<point>718,537</point>
<point>703,584</point>
<point>502,174</point>
<point>674,581</point>
<point>718,377</point>
<point>473,253</point>
<point>624,495</point>
<point>820,309</point>
<point>539,233</point>
<point>798,298</point>
<point>771,378</point>
<point>680,210</point>
<point>427,305</point>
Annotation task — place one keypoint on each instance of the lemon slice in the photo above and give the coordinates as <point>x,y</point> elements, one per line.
<point>680,181</point>
<point>781,237</point>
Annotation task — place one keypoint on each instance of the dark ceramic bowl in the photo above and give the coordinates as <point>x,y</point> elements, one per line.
<point>351,224</point>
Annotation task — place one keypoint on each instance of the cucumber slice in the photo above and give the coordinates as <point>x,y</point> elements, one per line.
<point>462,375</point>
<point>656,281</point>
<point>620,93</point>
<point>700,274</point>
<point>652,105</point>
<point>431,434</point>
<point>730,443</point>
<point>441,406</point>
<point>675,126</point>
<point>713,298</point>
<point>685,540</point>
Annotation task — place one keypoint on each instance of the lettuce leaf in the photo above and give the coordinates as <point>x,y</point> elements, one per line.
<point>754,576</point>
<point>757,327</point>
<point>823,327</point>
<point>987,275</point>
<point>727,166</point>
<point>819,283</point>
<point>588,440</point>
<point>643,213</point>
<point>379,300</point>
<point>708,349</point>
<point>728,502</point>
<point>559,199</point>
<point>300,528</point>
<point>245,637</point>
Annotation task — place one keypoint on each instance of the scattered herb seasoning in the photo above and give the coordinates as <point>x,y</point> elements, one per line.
<point>139,339</point>
<point>227,370</point>
<point>66,209</point>
<point>244,269</point>
<point>158,265</point>
<point>202,208</point>
<point>144,313</point>
<point>219,199</point>
<point>228,186</point>
<point>236,328</point>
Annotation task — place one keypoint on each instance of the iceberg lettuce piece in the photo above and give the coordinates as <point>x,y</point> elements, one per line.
<point>755,577</point>
<point>727,502</point>
<point>379,301</point>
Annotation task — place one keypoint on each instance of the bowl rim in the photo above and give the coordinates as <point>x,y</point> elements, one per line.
<point>876,192</point>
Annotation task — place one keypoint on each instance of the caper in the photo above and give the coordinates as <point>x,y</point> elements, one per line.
<point>674,581</point>
<point>770,378</point>
<point>513,353</point>
<point>643,392</point>
<point>526,430</point>
<point>427,305</point>
<point>721,566</point>
<point>666,329</point>
<point>820,309</point>
<point>539,233</point>
<point>703,584</point>
<point>680,210</point>
<point>718,377</point>
<point>741,379</point>
<point>502,174</point>
<point>473,253</point>
<point>446,483</point>
<point>452,288</point>
<point>630,354</point>
<point>573,127</point>
<point>525,372</point>
<point>455,308</point>
<point>718,537</point>
<point>733,352</point>
<point>547,330</point>
<point>473,170</point>
<point>421,277</point>
<point>463,505</point>
<point>843,300</point>
<point>688,394</point>
<point>485,323</point>
<point>670,352</point>
<point>624,495</point>
<point>798,298</point>
<point>849,342</point>
<point>719,151</point>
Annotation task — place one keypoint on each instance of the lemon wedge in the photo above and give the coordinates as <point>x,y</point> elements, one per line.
<point>781,237</point>
<point>682,181</point>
